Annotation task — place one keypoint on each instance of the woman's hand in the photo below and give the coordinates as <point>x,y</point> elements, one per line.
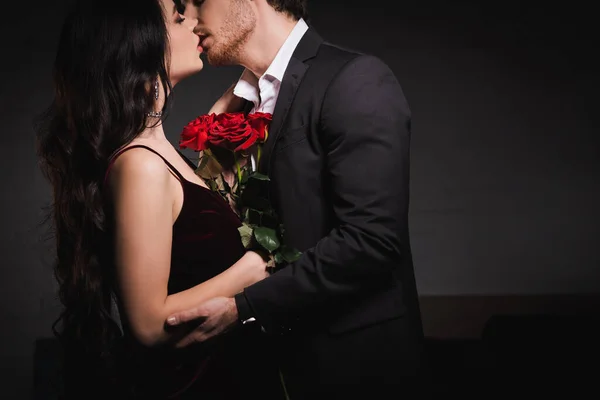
<point>228,103</point>
<point>259,266</point>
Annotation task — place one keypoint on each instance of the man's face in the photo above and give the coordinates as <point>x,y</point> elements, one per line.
<point>224,27</point>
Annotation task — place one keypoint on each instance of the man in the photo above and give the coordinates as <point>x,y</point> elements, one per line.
<point>345,316</point>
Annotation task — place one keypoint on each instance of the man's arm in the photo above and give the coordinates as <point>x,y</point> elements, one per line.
<point>365,127</point>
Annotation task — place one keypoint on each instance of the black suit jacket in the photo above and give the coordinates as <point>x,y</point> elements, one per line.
<point>338,159</point>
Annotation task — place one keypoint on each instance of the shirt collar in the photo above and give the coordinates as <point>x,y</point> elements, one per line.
<point>247,86</point>
<point>284,55</point>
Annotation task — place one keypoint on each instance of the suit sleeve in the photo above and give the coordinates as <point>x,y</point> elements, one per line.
<point>365,131</point>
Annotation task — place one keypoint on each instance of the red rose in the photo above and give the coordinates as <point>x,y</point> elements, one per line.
<point>195,134</point>
<point>232,131</point>
<point>260,122</point>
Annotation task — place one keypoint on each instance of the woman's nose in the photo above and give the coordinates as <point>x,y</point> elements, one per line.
<point>193,23</point>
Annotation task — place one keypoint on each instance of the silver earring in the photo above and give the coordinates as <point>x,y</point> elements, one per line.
<point>155,114</point>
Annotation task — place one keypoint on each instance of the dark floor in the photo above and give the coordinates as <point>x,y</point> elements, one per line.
<point>533,356</point>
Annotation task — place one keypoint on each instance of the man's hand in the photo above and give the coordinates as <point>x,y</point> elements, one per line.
<point>219,315</point>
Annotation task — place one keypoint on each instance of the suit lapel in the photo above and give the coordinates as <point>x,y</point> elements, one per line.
<point>291,81</point>
<point>306,49</point>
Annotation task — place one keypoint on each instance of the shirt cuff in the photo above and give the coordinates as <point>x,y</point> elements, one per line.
<point>245,313</point>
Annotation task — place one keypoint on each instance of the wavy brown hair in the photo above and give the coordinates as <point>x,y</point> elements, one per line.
<point>109,56</point>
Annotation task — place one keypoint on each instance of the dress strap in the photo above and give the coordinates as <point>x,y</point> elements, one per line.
<point>118,153</point>
<point>187,160</point>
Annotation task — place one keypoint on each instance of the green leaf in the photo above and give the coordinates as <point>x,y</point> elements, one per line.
<point>203,161</point>
<point>270,221</point>
<point>246,234</point>
<point>290,254</point>
<point>253,216</point>
<point>246,215</point>
<point>213,185</point>
<point>245,175</point>
<point>278,258</point>
<point>267,238</point>
<point>259,176</point>
<point>225,184</point>
<point>257,203</point>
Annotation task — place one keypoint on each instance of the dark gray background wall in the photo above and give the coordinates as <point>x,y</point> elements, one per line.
<point>505,154</point>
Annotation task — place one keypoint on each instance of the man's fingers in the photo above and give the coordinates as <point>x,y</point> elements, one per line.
<point>186,316</point>
<point>188,340</point>
<point>197,336</point>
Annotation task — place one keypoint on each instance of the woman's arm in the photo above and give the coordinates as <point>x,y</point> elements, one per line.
<point>228,102</point>
<point>144,202</point>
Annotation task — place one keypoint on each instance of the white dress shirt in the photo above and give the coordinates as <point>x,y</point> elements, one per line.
<point>263,92</point>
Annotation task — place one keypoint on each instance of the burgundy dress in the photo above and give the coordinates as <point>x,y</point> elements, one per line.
<point>233,366</point>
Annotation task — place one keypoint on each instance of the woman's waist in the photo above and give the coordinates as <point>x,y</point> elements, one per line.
<point>166,370</point>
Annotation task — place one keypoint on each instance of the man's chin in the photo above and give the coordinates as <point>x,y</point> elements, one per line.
<point>217,60</point>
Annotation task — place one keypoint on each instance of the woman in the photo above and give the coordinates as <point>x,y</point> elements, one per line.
<point>133,220</point>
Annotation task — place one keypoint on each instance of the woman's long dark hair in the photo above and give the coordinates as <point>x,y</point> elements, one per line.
<point>110,54</point>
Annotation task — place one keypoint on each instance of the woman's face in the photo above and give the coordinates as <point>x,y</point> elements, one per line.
<point>184,52</point>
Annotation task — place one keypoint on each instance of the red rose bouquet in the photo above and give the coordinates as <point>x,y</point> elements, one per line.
<point>230,146</point>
